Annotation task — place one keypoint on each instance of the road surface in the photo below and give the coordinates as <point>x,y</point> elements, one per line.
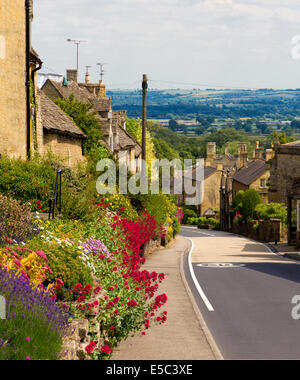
<point>244,293</point>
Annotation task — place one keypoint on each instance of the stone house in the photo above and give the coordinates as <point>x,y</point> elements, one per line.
<point>232,162</point>
<point>210,191</point>
<point>19,64</point>
<point>57,133</point>
<point>285,185</point>
<point>112,123</point>
<point>255,176</point>
<point>16,60</point>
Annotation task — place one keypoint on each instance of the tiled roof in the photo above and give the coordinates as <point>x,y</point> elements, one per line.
<point>55,120</point>
<point>82,95</point>
<point>251,172</point>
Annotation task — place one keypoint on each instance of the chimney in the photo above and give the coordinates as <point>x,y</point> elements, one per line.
<point>211,150</point>
<point>72,75</point>
<point>102,90</point>
<point>270,154</point>
<point>243,155</point>
<point>220,167</point>
<point>259,152</point>
<point>227,149</point>
<point>87,78</point>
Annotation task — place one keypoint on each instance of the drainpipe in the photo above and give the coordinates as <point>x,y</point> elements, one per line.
<point>27,84</point>
<point>40,65</point>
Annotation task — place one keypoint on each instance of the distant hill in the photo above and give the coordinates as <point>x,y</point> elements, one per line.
<point>184,104</point>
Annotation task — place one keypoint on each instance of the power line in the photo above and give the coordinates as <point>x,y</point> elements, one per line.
<point>204,85</point>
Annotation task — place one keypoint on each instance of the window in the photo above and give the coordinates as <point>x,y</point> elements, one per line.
<point>263,183</point>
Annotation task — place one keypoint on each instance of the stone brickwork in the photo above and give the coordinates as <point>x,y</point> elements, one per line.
<point>211,194</point>
<point>285,171</point>
<point>12,78</point>
<point>268,231</point>
<point>67,148</point>
<point>84,331</point>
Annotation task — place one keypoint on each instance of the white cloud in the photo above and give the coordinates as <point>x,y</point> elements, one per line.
<point>181,40</point>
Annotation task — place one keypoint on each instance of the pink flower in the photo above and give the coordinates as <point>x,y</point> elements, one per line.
<point>42,255</point>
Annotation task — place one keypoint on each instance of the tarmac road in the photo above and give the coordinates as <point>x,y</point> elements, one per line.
<point>245,296</point>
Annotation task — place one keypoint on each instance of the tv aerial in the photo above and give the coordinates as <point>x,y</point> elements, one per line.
<point>102,71</point>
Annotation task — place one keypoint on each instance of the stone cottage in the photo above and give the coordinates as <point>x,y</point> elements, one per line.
<point>210,191</point>
<point>285,185</point>
<point>57,133</point>
<point>255,175</point>
<point>112,123</point>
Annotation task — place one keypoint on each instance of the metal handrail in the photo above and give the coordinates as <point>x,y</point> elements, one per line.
<point>56,200</point>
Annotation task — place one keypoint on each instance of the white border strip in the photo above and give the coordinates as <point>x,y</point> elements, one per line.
<point>198,287</point>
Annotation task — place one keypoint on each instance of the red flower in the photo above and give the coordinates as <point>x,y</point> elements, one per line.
<point>91,348</point>
<point>131,303</point>
<point>116,300</point>
<point>105,349</point>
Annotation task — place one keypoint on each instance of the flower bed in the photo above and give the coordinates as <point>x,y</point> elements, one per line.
<point>34,325</point>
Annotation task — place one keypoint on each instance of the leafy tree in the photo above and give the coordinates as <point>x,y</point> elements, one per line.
<point>250,200</point>
<point>83,116</point>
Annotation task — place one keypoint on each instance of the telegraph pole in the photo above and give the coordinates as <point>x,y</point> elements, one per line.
<point>144,135</point>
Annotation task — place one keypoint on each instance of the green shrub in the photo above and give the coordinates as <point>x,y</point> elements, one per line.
<point>176,227</point>
<point>155,204</point>
<point>250,200</point>
<point>187,214</point>
<point>65,263</point>
<point>16,222</point>
<point>271,211</point>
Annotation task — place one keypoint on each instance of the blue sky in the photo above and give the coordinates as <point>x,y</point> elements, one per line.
<point>214,43</point>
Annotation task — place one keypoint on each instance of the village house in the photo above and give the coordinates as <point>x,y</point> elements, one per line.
<point>112,123</point>
<point>285,185</point>
<point>57,133</point>
<point>209,190</point>
<point>18,64</point>
<point>231,162</point>
<point>255,176</point>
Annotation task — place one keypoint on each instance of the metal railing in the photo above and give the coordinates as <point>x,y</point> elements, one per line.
<point>55,202</point>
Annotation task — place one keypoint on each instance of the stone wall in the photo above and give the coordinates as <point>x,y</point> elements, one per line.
<point>67,148</point>
<point>268,231</point>
<point>12,78</point>
<point>211,195</point>
<point>82,332</point>
<point>285,169</point>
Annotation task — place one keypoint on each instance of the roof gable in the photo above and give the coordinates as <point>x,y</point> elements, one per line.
<point>55,120</point>
<point>251,172</point>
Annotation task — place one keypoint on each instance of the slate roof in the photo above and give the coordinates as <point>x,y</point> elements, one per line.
<point>251,172</point>
<point>34,57</point>
<point>55,120</point>
<point>81,94</point>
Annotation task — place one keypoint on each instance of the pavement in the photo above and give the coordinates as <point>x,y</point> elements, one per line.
<point>184,336</point>
<point>244,292</point>
<point>286,250</point>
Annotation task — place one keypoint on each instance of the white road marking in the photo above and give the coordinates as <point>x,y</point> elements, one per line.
<point>199,232</point>
<point>198,287</point>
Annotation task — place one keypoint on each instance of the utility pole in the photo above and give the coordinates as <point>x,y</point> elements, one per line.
<point>144,135</point>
